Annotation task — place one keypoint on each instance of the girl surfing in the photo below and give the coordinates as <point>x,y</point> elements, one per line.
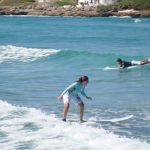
<point>71,94</point>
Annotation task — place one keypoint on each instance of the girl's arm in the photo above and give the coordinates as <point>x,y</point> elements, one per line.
<point>84,94</point>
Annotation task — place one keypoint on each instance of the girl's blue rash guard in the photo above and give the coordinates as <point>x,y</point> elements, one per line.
<point>74,89</point>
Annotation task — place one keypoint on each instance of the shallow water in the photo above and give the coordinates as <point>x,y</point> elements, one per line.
<point>40,56</point>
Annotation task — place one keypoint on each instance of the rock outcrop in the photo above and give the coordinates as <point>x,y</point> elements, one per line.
<point>69,11</point>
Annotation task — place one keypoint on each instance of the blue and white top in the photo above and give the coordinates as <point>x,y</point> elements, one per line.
<point>74,89</point>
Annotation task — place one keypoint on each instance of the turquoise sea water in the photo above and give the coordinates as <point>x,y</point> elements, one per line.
<point>40,56</point>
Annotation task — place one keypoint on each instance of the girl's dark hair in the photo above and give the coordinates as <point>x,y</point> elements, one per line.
<point>82,79</point>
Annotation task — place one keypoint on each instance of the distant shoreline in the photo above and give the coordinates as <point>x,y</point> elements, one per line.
<point>71,11</point>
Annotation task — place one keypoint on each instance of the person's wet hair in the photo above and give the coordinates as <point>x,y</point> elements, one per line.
<point>119,60</point>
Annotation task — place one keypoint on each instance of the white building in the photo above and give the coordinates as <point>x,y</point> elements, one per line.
<point>87,2</point>
<point>95,2</point>
<point>107,2</point>
<point>43,1</point>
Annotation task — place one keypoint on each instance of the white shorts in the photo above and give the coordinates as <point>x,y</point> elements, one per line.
<point>67,98</point>
<point>135,62</point>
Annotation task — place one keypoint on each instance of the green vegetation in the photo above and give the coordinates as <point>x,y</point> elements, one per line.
<point>16,2</point>
<point>126,4</point>
<point>31,2</point>
<point>65,2</point>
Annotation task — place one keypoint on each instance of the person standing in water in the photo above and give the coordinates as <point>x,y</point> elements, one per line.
<point>71,94</point>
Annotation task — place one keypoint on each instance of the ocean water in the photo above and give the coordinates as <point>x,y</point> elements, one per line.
<point>40,56</point>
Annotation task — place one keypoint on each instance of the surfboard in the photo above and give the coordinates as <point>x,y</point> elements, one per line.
<point>120,69</point>
<point>114,120</point>
<point>118,119</point>
<point>132,67</point>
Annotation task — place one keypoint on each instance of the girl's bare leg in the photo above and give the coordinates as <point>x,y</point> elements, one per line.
<point>81,105</point>
<point>66,108</point>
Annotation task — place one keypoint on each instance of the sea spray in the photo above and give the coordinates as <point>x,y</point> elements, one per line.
<point>30,128</point>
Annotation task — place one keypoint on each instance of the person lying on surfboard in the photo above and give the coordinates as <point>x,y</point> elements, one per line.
<point>125,64</point>
<point>71,94</point>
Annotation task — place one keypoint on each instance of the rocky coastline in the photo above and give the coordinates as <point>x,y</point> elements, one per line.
<point>70,11</point>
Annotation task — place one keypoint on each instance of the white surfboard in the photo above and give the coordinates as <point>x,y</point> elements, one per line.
<point>132,67</point>
<point>115,120</point>
<point>116,68</point>
<point>118,119</point>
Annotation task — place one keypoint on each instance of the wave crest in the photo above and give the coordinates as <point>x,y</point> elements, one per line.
<point>12,53</point>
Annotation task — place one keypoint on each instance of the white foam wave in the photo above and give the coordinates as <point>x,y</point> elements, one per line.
<point>110,68</point>
<point>120,17</point>
<point>137,20</point>
<point>12,53</point>
<point>125,17</point>
<point>29,128</point>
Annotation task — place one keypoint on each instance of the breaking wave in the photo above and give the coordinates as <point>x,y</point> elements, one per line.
<point>12,53</point>
<point>30,128</point>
